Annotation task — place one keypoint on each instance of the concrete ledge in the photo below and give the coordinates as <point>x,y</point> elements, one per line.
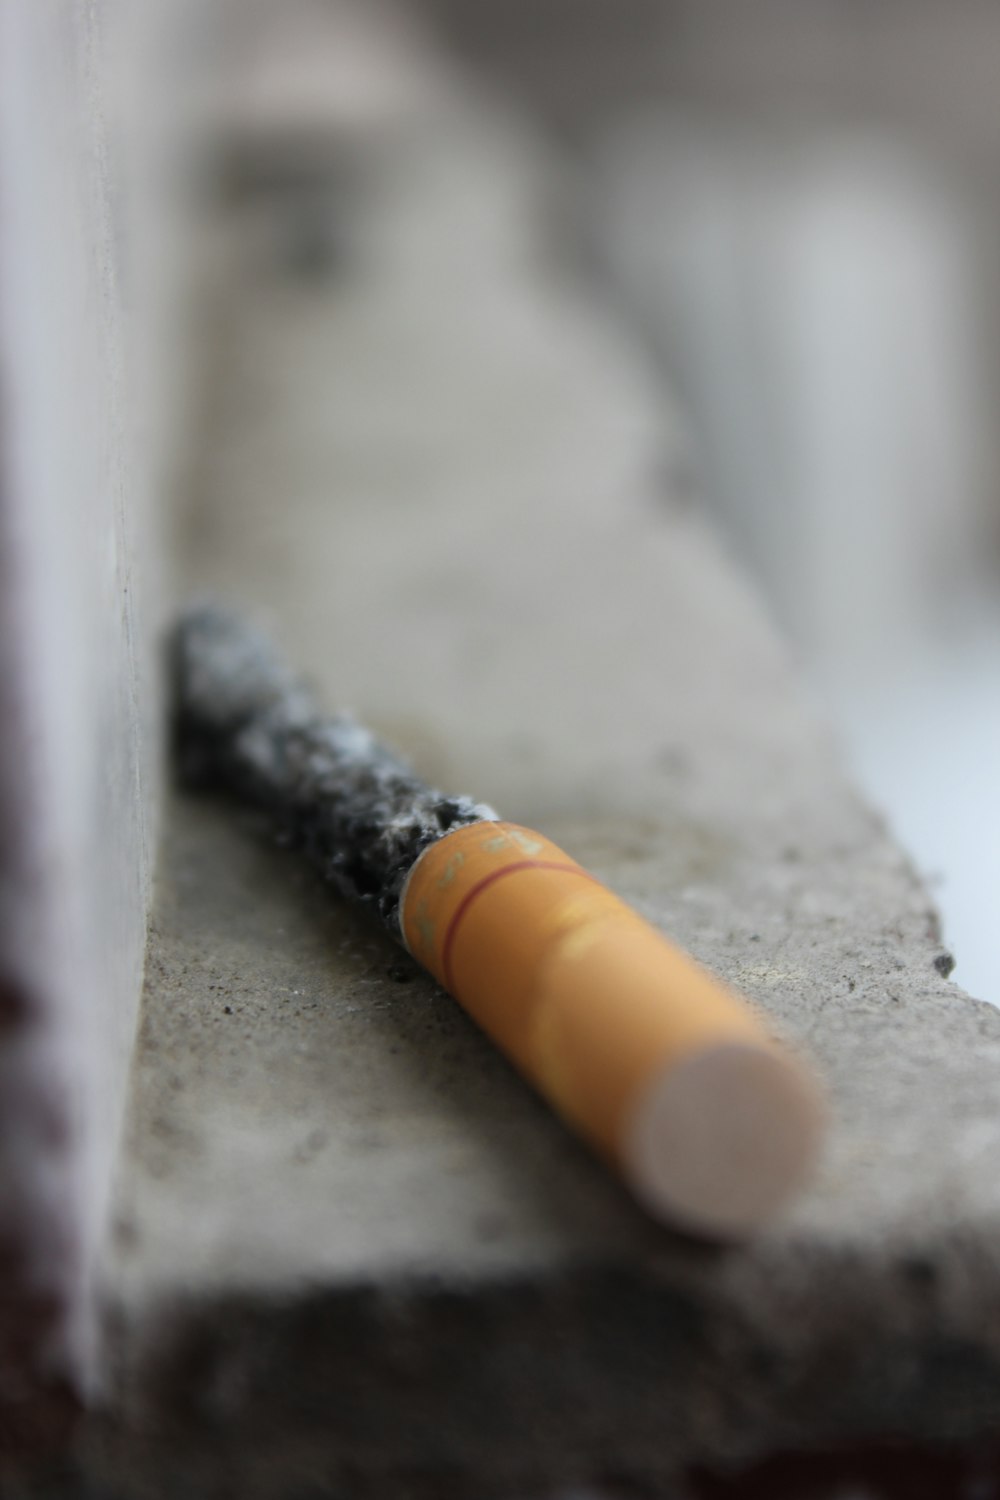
<point>355,1254</point>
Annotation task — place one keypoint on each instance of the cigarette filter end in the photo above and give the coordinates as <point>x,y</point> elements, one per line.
<point>721,1141</point>
<point>666,1072</point>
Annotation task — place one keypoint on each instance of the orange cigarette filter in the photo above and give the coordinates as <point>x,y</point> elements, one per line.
<point>673,1078</point>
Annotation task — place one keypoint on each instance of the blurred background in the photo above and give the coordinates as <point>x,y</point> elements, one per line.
<point>793,209</point>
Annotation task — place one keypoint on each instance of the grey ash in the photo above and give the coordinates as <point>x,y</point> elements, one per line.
<point>244,724</point>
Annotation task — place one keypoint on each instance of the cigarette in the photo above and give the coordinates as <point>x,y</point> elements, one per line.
<point>671,1077</point>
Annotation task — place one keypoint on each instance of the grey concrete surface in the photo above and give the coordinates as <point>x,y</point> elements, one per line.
<point>355,1255</point>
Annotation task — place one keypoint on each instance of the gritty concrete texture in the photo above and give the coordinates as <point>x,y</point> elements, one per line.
<point>355,1255</point>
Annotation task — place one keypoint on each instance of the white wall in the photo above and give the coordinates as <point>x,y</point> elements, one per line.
<point>824,298</point>
<point>77,607</point>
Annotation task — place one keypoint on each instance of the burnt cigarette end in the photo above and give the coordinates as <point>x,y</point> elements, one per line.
<point>243,724</point>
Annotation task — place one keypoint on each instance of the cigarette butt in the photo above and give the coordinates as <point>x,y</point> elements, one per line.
<point>668,1074</point>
